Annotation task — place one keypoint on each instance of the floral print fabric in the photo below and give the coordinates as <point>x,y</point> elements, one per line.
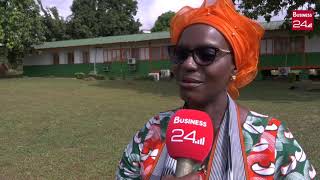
<point>271,150</point>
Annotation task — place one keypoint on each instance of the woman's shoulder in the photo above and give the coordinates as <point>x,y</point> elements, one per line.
<point>161,119</point>
<point>268,139</point>
<point>257,127</point>
<point>155,128</point>
<point>261,121</point>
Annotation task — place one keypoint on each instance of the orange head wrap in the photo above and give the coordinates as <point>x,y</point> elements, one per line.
<point>242,33</point>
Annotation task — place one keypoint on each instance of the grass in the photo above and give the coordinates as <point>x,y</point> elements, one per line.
<point>73,129</point>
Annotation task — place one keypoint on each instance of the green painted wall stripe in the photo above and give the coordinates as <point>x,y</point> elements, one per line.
<point>144,67</point>
<point>116,69</point>
<point>290,60</point>
<point>312,59</point>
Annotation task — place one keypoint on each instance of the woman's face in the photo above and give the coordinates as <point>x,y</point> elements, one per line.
<point>200,85</point>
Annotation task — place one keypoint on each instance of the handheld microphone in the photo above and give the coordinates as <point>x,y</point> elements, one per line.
<point>189,139</point>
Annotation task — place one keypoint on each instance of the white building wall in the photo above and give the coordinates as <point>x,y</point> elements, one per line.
<point>63,57</point>
<point>96,55</point>
<point>42,59</point>
<point>78,59</point>
<point>313,44</point>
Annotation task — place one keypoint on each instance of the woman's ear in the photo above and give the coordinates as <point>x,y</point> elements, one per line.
<point>234,74</point>
<point>234,71</point>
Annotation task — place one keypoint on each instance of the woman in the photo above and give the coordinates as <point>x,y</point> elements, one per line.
<point>215,53</point>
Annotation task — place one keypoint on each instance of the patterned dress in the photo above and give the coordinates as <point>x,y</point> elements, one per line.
<point>271,150</point>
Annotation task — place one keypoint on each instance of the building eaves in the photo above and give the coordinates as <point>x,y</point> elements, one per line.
<point>103,40</point>
<point>274,25</point>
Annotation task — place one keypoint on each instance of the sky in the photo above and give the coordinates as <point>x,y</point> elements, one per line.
<point>148,10</point>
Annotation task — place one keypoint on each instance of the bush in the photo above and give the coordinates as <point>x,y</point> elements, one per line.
<point>112,78</point>
<point>99,77</point>
<point>144,78</point>
<point>3,69</point>
<point>80,75</point>
<point>92,73</point>
<point>13,73</point>
<point>96,76</point>
<point>292,77</point>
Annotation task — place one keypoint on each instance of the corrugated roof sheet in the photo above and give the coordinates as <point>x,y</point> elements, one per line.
<point>104,40</point>
<point>273,25</point>
<point>127,38</point>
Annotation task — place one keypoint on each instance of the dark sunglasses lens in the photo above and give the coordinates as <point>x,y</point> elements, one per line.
<point>206,55</point>
<point>177,55</point>
<point>182,55</point>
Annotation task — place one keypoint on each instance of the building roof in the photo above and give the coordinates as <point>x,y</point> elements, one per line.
<point>274,25</point>
<point>104,40</point>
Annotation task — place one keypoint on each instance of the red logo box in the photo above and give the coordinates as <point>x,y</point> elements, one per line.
<point>302,20</point>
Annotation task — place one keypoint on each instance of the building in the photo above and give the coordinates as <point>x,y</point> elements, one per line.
<point>147,53</point>
<point>286,50</point>
<point>140,54</point>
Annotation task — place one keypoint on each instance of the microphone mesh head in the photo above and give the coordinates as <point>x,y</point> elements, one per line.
<point>190,135</point>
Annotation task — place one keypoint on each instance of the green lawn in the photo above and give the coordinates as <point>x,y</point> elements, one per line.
<point>73,129</point>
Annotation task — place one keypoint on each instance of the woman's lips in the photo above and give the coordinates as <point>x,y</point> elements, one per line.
<point>190,83</point>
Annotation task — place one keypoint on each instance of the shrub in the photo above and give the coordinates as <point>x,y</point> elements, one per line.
<point>92,73</point>
<point>112,78</point>
<point>144,78</point>
<point>292,77</point>
<point>96,76</point>
<point>99,77</point>
<point>80,75</point>
<point>13,73</point>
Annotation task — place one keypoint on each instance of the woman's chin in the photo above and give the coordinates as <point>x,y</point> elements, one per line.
<point>193,97</point>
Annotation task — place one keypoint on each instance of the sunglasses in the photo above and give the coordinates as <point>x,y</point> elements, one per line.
<point>203,56</point>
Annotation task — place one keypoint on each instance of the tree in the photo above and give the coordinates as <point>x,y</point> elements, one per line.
<point>21,27</point>
<point>163,22</point>
<point>1,23</point>
<point>54,24</point>
<point>81,23</point>
<point>102,18</point>
<point>269,8</point>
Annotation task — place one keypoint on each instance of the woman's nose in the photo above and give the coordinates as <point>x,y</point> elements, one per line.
<point>189,63</point>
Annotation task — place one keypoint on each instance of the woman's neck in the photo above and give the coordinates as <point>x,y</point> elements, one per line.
<point>215,108</point>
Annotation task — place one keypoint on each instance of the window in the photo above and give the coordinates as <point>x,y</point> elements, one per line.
<point>115,55</point>
<point>164,51</point>
<point>70,58</point>
<point>107,55</point>
<point>269,46</point>
<point>55,58</point>
<point>281,46</point>
<point>85,57</point>
<point>135,53</point>
<point>125,53</point>
<point>297,44</point>
<point>288,45</point>
<point>144,53</point>
<point>263,47</point>
<point>266,46</point>
<point>155,53</point>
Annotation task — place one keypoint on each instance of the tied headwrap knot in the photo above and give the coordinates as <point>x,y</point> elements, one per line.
<point>242,33</point>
